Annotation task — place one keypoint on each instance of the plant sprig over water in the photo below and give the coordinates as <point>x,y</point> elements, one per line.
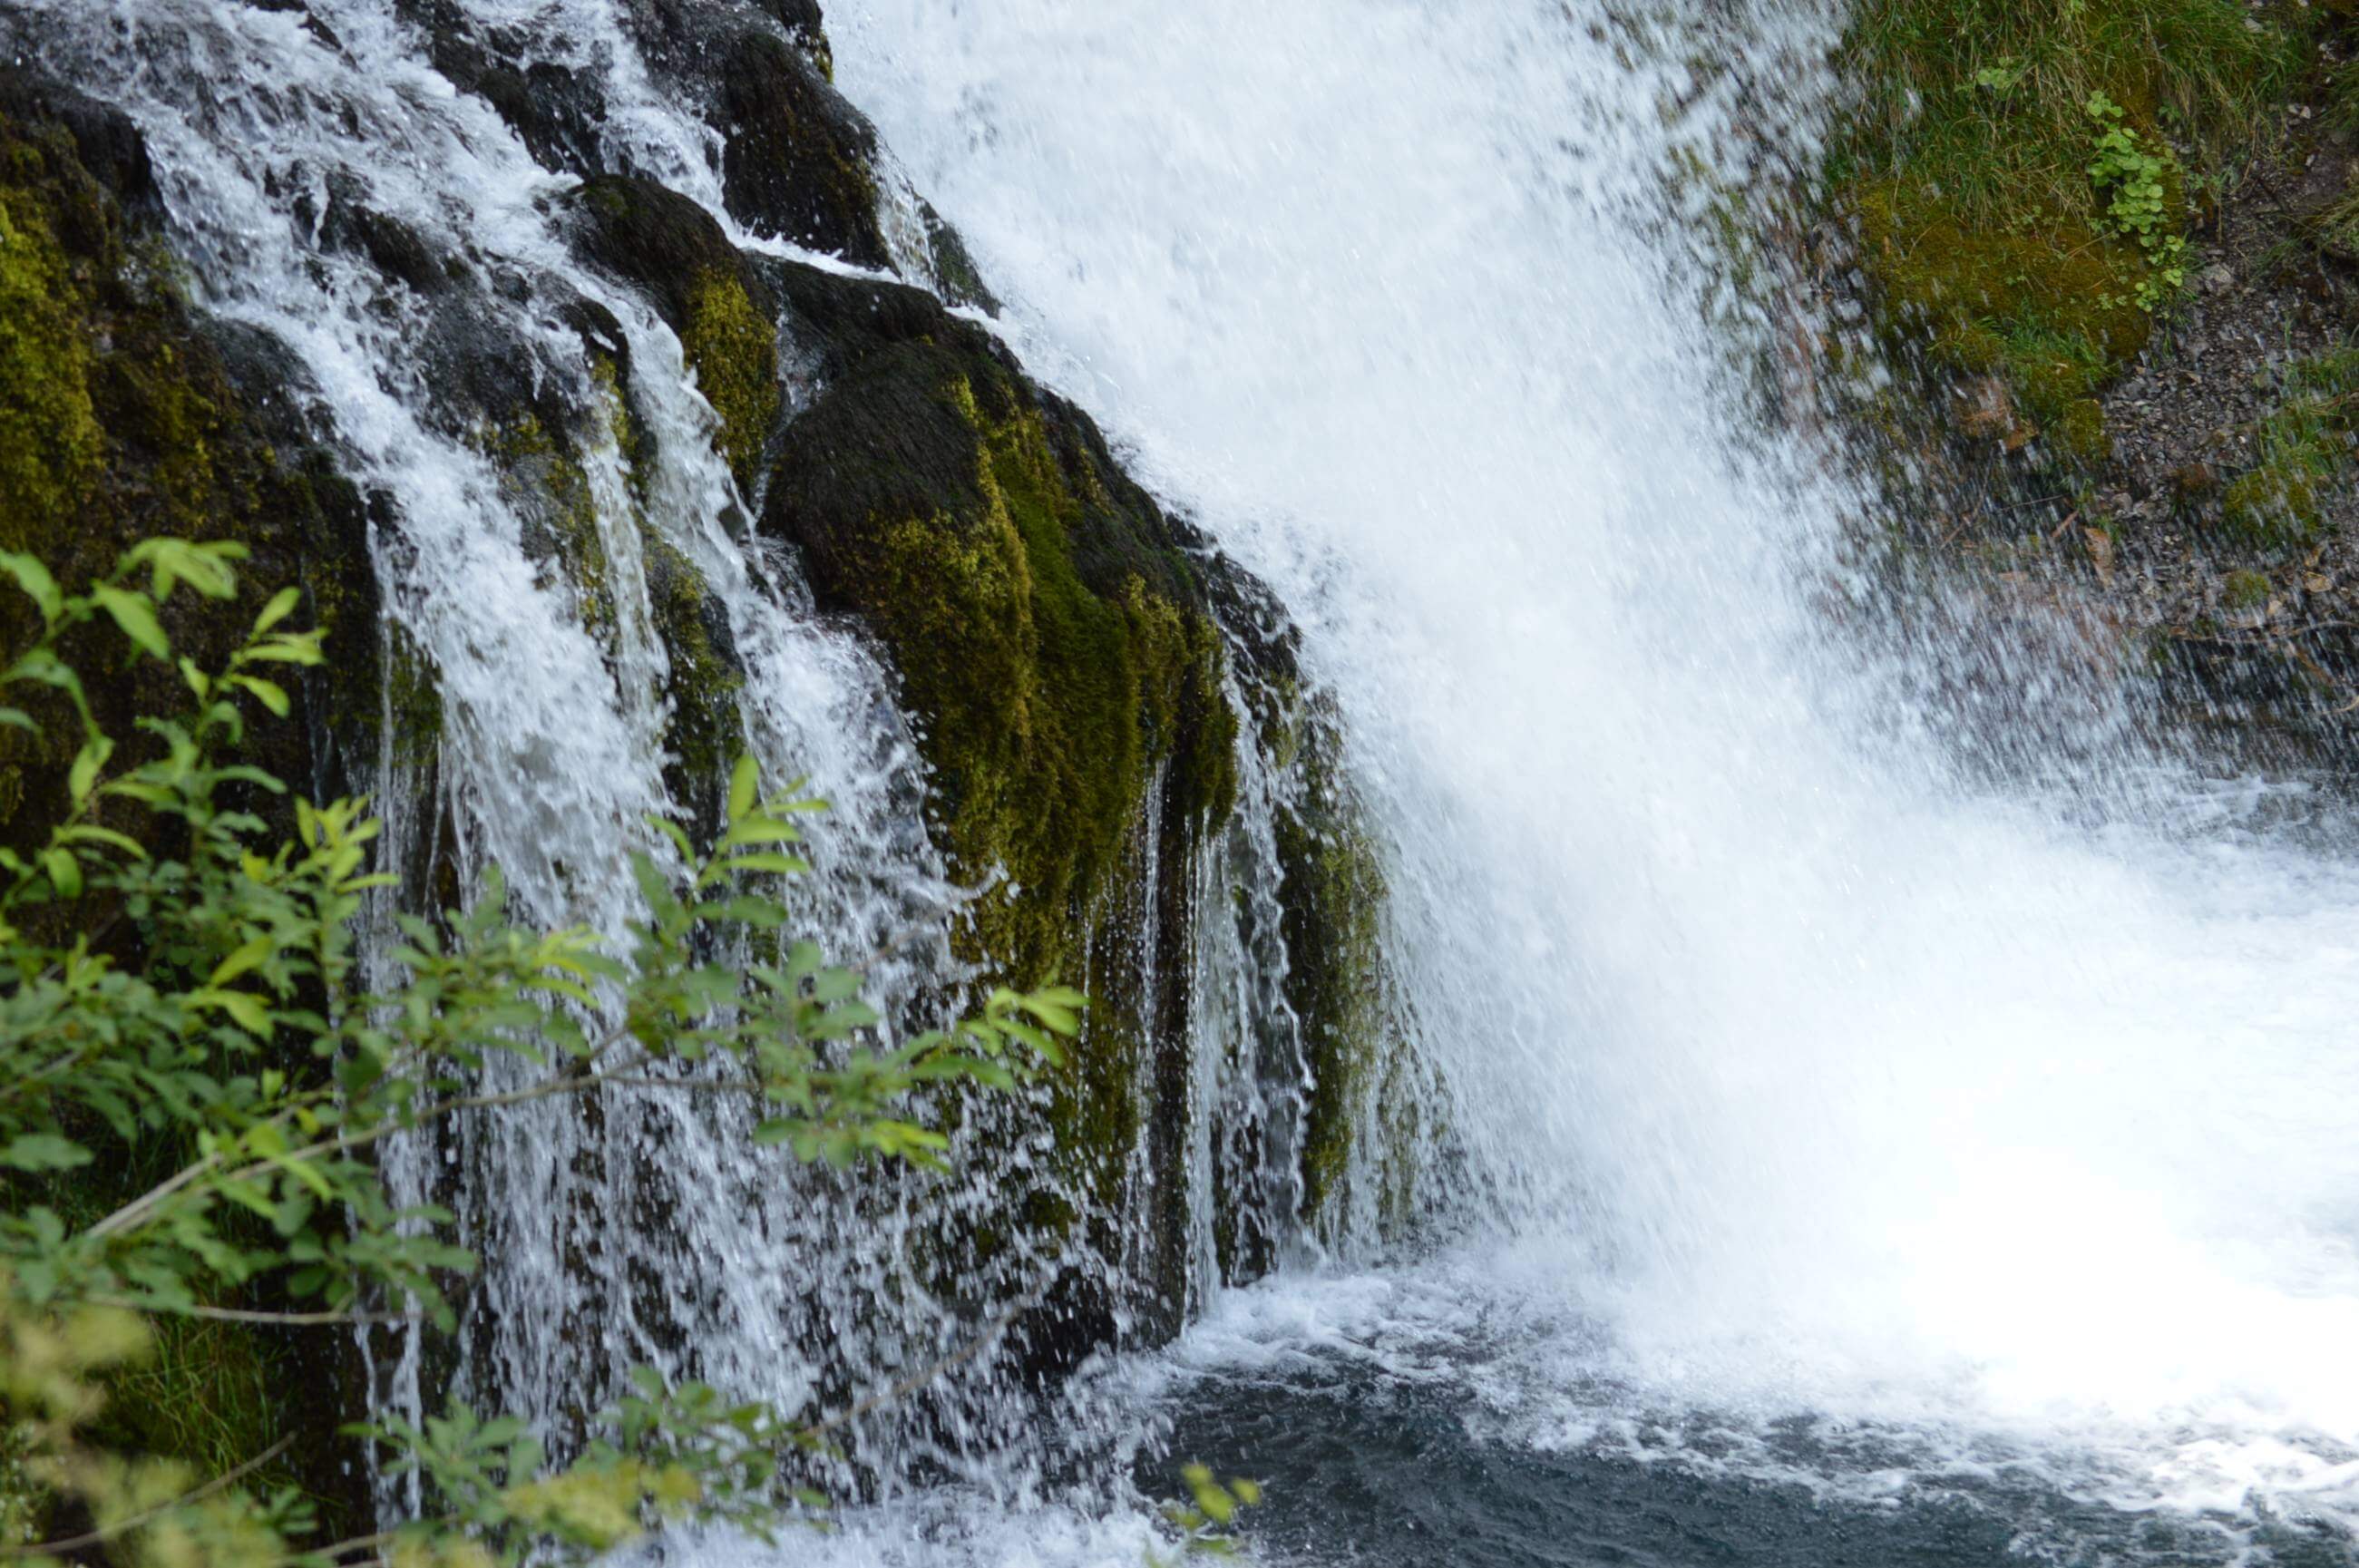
<point>177,976</point>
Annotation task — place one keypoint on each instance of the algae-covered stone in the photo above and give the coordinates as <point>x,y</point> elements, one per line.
<point>1050,631</point>
<point>709,293</point>
<point>1056,650</point>
<point>703,678</point>
<point>122,416</point>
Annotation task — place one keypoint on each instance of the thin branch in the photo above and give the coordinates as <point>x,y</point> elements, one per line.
<point>243,1315</point>
<point>99,1537</point>
<point>345,1548</point>
<point>141,1207</point>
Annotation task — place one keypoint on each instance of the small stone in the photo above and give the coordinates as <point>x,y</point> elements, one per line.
<point>2216,278</point>
<point>2100,545</point>
<point>2317,582</point>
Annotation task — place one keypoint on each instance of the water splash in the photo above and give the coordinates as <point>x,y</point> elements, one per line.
<point>1806,1068</point>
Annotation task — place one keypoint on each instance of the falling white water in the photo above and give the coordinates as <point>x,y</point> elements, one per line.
<point>1793,1077</point>
<point>643,1227</point>
<point>1818,1084</point>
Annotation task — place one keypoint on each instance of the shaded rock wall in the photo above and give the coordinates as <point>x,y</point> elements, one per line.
<point>1064,646</point>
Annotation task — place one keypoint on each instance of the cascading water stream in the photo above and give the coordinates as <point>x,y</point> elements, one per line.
<point>639,1228</point>
<point>1817,1083</point>
<point>1815,1109</point>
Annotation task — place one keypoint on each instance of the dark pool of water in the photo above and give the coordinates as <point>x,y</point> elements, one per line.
<point>1362,1469</point>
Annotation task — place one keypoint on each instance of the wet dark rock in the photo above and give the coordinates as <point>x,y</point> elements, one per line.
<point>806,29</point>
<point>107,146</point>
<point>798,158</point>
<point>954,271</point>
<point>659,241</point>
<point>393,246</point>
<point>555,111</point>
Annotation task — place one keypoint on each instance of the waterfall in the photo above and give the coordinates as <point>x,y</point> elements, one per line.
<point>1630,989</point>
<point>1815,1067</point>
<point>581,625</point>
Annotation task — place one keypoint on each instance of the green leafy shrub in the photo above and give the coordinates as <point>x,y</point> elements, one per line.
<point>2134,176</point>
<point>180,977</point>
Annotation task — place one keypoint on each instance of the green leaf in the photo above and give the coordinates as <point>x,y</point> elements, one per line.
<point>44,1152</point>
<point>83,776</point>
<point>64,870</point>
<point>762,830</point>
<point>136,616</point>
<point>784,865</point>
<point>282,604</point>
<point>743,779</point>
<point>35,580</point>
<point>239,962</point>
<point>247,1011</point>
<point>90,833</point>
<point>271,695</point>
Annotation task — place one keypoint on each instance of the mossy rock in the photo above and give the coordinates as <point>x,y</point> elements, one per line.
<point>798,159</point>
<point>670,248</point>
<point>1967,288</point>
<point>955,273</point>
<point>2245,590</point>
<point>705,674</point>
<point>124,416</point>
<point>1053,637</point>
<point>2080,433</point>
<point>1332,895</point>
<point>2273,507</point>
<point>1050,629</point>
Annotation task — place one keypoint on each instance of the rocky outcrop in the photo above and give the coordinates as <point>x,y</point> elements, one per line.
<point>1064,648</point>
<point>124,414</point>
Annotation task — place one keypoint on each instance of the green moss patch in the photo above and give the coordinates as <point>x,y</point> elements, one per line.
<point>2307,444</point>
<point>1053,637</point>
<point>2016,169</point>
<point>1049,632</point>
<point>122,416</point>
<point>703,731</point>
<point>734,349</point>
<point>713,296</point>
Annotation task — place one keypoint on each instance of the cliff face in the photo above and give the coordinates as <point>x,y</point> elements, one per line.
<point>2106,245</point>
<point>1070,658</point>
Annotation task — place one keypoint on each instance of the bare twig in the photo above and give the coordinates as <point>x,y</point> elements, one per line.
<point>125,1526</point>
<point>244,1315</point>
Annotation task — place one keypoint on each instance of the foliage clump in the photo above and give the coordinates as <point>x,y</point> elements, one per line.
<point>176,976</point>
